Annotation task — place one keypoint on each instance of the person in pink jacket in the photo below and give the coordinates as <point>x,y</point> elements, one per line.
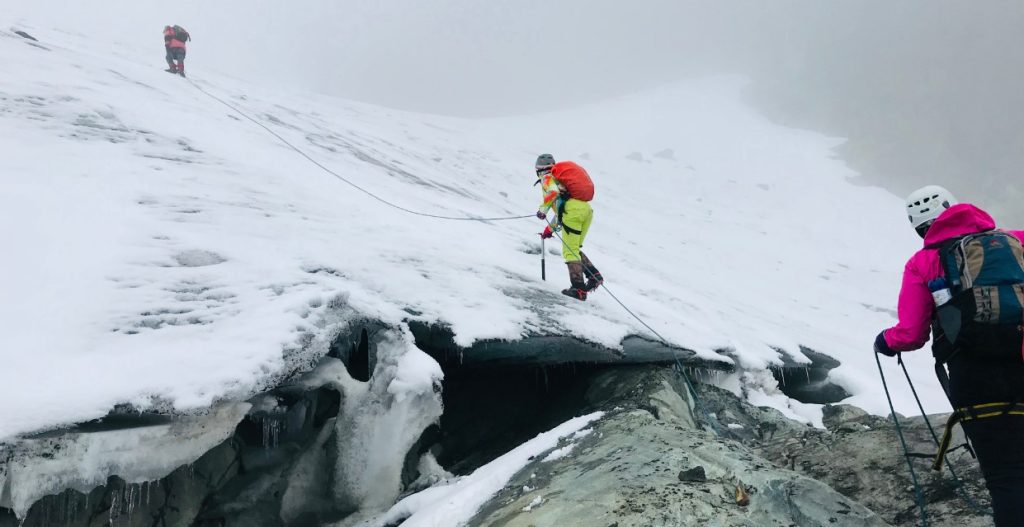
<point>997,441</point>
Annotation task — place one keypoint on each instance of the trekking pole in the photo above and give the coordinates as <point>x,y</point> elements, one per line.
<point>918,492</point>
<point>543,260</point>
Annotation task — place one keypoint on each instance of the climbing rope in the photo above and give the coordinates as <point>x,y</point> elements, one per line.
<point>906,451</point>
<point>679,365</point>
<point>675,356</point>
<point>339,176</point>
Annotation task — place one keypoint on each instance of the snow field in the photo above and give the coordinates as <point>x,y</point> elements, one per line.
<point>165,252</point>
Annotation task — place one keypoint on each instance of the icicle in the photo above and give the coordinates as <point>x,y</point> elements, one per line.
<point>271,432</point>
<point>114,502</point>
<point>131,501</point>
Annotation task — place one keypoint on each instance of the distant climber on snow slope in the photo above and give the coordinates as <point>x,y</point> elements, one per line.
<point>568,189</point>
<point>175,38</point>
<point>967,286</point>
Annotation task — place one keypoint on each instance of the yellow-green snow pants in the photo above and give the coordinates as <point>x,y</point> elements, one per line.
<point>575,218</point>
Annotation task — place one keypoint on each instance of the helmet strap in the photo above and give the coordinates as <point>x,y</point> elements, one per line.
<point>922,229</point>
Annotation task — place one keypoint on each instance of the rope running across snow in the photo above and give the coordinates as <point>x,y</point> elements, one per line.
<point>679,365</point>
<point>675,356</point>
<point>339,176</point>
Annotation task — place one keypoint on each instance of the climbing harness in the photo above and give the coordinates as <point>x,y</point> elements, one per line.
<point>957,482</point>
<point>339,176</point>
<point>918,491</point>
<point>972,413</point>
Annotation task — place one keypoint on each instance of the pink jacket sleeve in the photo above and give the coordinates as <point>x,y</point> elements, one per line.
<point>915,312</point>
<point>916,308</point>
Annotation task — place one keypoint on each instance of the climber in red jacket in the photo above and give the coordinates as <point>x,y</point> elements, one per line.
<point>175,38</point>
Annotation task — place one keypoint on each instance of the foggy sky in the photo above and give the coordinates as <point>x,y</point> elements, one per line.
<point>927,91</point>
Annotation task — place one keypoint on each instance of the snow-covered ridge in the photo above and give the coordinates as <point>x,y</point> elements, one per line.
<point>161,250</point>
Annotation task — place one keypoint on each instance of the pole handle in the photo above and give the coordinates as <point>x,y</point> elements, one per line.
<point>543,260</point>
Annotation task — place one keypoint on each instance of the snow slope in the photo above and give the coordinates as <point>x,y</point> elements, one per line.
<point>162,251</point>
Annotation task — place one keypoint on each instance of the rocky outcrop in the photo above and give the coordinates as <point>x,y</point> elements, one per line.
<point>647,463</point>
<point>327,447</point>
<point>860,456</point>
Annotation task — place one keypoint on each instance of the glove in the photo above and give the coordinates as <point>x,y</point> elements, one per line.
<point>547,233</point>
<point>542,215</point>
<point>881,346</point>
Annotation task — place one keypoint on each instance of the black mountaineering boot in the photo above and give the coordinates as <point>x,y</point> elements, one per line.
<point>578,294</point>
<point>577,289</point>
<point>594,278</point>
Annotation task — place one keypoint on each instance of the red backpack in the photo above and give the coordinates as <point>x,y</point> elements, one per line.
<point>575,180</point>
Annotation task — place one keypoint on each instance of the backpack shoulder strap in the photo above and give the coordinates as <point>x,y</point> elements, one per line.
<point>948,252</point>
<point>947,258</point>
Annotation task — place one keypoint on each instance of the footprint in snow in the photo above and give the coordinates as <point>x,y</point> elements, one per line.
<point>198,258</point>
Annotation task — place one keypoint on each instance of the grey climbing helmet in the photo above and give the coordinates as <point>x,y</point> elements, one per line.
<point>544,163</point>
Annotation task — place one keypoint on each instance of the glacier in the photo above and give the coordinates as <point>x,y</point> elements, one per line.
<point>167,255</point>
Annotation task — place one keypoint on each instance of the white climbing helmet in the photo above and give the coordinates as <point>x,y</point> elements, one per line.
<point>926,203</point>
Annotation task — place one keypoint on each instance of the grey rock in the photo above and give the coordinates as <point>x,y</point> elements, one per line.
<point>835,415</point>
<point>860,456</point>
<point>695,474</point>
<point>862,459</point>
<point>667,153</point>
<point>627,471</point>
